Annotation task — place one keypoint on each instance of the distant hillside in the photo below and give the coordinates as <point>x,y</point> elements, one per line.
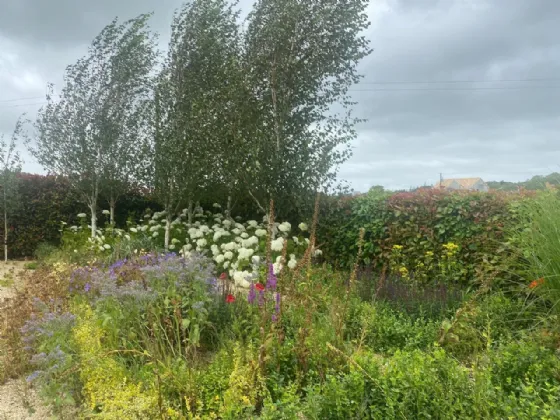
<point>536,183</point>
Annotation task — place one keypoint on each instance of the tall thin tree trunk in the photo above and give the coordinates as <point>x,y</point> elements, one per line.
<point>228,208</point>
<point>190,212</point>
<point>112,205</point>
<point>5,230</point>
<point>93,210</point>
<point>167,230</point>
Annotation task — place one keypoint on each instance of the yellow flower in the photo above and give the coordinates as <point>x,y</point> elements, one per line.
<point>429,254</point>
<point>451,247</point>
<point>397,247</point>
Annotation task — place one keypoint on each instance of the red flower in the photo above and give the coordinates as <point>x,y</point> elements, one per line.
<point>536,283</point>
<point>259,287</point>
<point>223,276</point>
<point>230,299</point>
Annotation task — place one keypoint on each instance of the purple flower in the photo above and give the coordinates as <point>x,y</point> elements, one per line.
<point>87,287</point>
<point>271,280</point>
<point>276,308</point>
<point>261,298</point>
<point>252,294</point>
<point>33,376</point>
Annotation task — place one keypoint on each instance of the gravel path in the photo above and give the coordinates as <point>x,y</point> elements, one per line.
<point>17,400</point>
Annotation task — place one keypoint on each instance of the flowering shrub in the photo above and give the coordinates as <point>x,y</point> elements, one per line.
<point>238,249</point>
<point>441,268</point>
<point>422,222</point>
<point>46,200</point>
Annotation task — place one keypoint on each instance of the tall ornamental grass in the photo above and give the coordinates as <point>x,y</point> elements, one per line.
<point>538,240</point>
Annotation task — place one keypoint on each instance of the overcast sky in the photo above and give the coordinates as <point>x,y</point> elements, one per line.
<point>460,87</point>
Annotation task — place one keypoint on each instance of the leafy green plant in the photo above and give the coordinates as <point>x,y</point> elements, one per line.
<point>537,237</point>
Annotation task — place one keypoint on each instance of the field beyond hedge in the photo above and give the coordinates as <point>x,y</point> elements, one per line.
<point>416,305</point>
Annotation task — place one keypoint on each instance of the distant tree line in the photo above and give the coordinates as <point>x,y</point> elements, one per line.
<point>538,182</point>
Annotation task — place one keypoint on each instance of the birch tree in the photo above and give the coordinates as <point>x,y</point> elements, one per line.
<point>189,104</point>
<point>10,167</point>
<point>86,134</point>
<point>301,58</point>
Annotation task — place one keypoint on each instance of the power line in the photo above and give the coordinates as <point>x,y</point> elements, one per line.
<point>411,82</point>
<point>21,99</point>
<point>18,105</point>
<point>445,89</point>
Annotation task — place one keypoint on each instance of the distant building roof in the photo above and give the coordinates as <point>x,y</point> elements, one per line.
<point>464,183</point>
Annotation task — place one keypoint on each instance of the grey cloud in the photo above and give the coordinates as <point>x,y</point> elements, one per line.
<point>411,135</point>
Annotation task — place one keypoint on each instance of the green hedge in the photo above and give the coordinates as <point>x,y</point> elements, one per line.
<point>46,201</point>
<point>422,221</point>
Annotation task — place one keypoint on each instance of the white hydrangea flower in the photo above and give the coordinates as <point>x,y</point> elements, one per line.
<point>260,232</point>
<point>152,222</point>
<point>204,229</point>
<point>216,206</point>
<point>127,237</point>
<point>245,253</point>
<point>236,231</point>
<point>307,241</point>
<point>101,248</point>
<point>226,233</point>
<point>219,258</point>
<point>318,252</point>
<point>201,243</point>
<point>240,227</point>
<point>256,259</point>
<point>226,265</point>
<point>106,212</point>
<point>230,246</point>
<point>172,247</point>
<point>226,223</point>
<point>155,234</point>
<point>175,241</point>
<point>107,246</point>
<point>252,223</point>
<point>81,215</point>
<point>292,264</point>
<point>279,259</point>
<point>277,268</point>
<point>228,255</point>
<point>303,227</point>
<point>144,228</point>
<point>285,227</point>
<point>296,240</point>
<point>241,279</point>
<point>277,244</point>
<point>215,249</point>
<point>244,235</point>
<point>133,230</point>
<point>154,228</point>
<point>238,239</point>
